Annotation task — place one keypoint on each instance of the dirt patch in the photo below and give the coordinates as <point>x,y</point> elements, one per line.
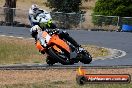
<point>51,76</point>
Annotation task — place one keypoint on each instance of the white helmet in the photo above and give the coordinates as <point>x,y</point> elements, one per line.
<point>35,28</point>
<point>34,7</point>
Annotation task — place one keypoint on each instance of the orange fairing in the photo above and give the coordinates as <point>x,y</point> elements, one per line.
<point>38,46</point>
<point>56,40</point>
<point>56,48</point>
<point>44,34</point>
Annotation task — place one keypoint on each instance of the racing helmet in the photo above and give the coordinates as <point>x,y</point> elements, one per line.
<point>34,7</point>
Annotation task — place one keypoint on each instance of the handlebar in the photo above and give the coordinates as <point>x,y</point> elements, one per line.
<point>52,31</point>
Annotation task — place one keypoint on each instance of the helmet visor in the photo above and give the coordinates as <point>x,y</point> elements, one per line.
<point>35,9</point>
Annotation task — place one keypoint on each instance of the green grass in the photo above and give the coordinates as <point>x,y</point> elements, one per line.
<point>14,51</point>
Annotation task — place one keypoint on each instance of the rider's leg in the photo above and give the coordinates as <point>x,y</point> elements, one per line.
<point>66,36</point>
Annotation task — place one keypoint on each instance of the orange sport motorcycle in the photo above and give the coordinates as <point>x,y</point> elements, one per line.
<point>60,48</point>
<point>58,45</point>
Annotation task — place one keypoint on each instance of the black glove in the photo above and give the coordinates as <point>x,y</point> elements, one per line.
<point>34,34</point>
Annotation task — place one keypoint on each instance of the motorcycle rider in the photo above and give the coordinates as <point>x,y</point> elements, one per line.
<point>32,14</point>
<point>34,11</point>
<point>38,25</point>
<point>47,23</point>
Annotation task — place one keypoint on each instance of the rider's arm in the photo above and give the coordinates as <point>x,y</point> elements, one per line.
<point>33,19</point>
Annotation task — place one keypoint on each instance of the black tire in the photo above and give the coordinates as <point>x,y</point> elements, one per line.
<point>63,61</point>
<point>86,58</point>
<point>81,80</point>
<point>50,61</point>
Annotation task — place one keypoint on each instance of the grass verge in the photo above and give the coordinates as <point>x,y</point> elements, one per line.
<point>53,78</point>
<point>17,51</point>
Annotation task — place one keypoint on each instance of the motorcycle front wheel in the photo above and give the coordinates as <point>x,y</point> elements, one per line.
<point>85,57</point>
<point>50,61</point>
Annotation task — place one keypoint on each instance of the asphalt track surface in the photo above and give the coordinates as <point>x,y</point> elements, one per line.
<point>114,40</point>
